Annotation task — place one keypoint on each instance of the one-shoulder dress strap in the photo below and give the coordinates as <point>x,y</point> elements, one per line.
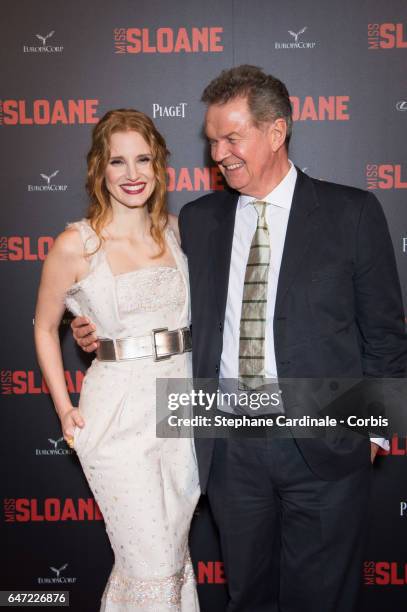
<point>90,240</point>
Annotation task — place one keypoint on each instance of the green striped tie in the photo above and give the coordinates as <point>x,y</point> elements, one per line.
<point>254,306</point>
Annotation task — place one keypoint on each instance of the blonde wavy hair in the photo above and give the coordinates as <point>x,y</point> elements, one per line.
<point>125,120</point>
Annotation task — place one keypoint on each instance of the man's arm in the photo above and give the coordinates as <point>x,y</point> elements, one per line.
<point>379,306</point>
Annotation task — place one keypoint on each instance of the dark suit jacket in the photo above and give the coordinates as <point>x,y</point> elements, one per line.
<point>338,311</point>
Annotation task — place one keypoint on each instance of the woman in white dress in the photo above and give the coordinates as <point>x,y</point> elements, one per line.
<point>123,268</point>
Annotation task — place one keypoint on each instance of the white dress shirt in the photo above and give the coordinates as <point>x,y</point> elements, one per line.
<point>277,214</point>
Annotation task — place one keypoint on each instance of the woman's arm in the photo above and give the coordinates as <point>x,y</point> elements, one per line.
<point>62,267</point>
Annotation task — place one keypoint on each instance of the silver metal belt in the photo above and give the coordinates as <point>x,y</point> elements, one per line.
<point>159,344</point>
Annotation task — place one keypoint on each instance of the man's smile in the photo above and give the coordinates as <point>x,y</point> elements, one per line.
<point>234,166</point>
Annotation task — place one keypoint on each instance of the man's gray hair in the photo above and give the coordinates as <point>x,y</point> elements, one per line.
<point>267,96</point>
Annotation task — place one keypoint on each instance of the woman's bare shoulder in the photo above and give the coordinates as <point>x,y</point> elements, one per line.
<point>69,242</point>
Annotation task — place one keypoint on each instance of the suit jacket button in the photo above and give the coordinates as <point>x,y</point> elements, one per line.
<point>217,369</point>
<point>220,327</point>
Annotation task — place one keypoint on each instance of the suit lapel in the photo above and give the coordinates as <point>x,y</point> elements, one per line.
<point>221,249</point>
<point>302,225</point>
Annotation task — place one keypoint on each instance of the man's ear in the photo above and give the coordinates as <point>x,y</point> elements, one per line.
<point>278,133</point>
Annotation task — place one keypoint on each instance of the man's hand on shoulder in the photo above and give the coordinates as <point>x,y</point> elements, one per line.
<point>84,333</point>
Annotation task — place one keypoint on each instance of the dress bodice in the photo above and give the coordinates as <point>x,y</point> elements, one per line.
<point>132,303</point>
<point>149,289</point>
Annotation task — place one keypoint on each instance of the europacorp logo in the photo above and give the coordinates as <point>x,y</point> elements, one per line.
<point>298,40</point>
<point>45,46</point>
<point>50,183</point>
<point>58,576</point>
<point>56,447</point>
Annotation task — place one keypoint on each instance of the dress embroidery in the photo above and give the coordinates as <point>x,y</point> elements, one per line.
<point>150,289</point>
<point>145,593</point>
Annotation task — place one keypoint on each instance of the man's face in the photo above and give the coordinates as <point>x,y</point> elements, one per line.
<point>243,152</point>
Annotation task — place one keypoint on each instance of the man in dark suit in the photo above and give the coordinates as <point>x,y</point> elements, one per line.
<point>291,278</point>
<point>333,309</point>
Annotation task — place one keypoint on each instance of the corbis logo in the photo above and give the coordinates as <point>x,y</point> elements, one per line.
<point>398,447</point>
<point>195,179</point>
<point>48,112</point>
<point>28,382</point>
<point>57,448</point>
<point>24,248</point>
<point>172,110</point>
<point>401,105</point>
<point>168,40</point>
<point>297,41</point>
<point>321,108</point>
<point>58,576</point>
<point>48,183</point>
<point>50,509</point>
<point>386,36</point>
<point>385,176</point>
<point>45,47</point>
<point>211,572</point>
<point>384,573</point>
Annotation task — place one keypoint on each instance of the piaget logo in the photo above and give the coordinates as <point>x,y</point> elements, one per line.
<point>172,111</point>
<point>297,40</point>
<point>45,47</point>
<point>168,40</point>
<point>49,184</point>
<point>401,105</point>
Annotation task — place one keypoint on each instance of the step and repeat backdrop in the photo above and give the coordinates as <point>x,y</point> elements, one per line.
<point>64,65</point>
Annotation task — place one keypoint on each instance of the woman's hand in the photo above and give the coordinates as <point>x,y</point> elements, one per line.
<point>69,421</point>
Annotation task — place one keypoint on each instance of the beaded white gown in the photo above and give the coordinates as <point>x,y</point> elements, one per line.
<point>146,487</point>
